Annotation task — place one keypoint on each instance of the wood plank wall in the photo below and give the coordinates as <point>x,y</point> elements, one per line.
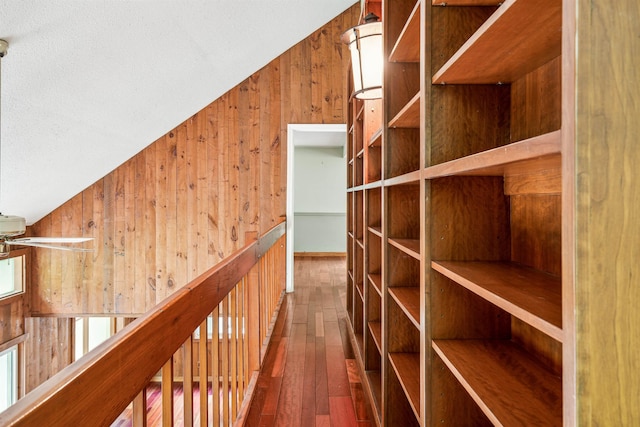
<point>187,200</point>
<point>183,203</point>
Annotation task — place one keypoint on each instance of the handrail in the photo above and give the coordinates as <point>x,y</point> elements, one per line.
<point>95,389</point>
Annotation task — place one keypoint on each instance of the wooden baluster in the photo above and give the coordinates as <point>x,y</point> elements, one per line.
<point>139,416</point>
<point>203,373</point>
<point>252,322</point>
<point>215,367</point>
<point>233,352</point>
<point>167,393</point>
<point>242,352</point>
<point>187,381</point>
<point>225,361</point>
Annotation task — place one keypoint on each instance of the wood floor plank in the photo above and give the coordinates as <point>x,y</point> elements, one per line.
<point>280,357</point>
<point>272,398</point>
<point>323,421</point>
<point>309,376</point>
<point>319,324</point>
<point>309,386</point>
<point>322,380</point>
<point>342,413</point>
<point>337,372</point>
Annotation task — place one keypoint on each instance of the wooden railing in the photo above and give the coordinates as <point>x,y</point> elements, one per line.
<point>240,295</point>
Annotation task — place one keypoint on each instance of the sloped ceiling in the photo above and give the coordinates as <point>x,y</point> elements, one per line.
<point>88,84</point>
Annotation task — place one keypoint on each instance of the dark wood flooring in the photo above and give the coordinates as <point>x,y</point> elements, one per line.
<point>309,375</point>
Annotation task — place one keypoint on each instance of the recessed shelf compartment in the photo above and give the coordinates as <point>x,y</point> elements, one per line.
<point>508,385</point>
<point>376,281</point>
<point>376,230</point>
<point>409,115</point>
<point>407,369</point>
<point>408,299</point>
<point>410,178</point>
<point>376,139</point>
<point>375,328</point>
<point>409,246</point>
<point>407,47</point>
<point>519,37</point>
<point>518,158</point>
<point>532,296</point>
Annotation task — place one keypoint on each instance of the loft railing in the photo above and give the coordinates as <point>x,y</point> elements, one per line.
<point>240,296</point>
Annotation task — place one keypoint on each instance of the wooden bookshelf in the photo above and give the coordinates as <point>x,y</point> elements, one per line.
<point>505,153</point>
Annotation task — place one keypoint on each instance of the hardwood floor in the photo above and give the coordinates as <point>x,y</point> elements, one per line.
<point>310,376</point>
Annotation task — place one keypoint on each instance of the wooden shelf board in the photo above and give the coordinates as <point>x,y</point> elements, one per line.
<point>376,139</point>
<point>408,246</point>
<point>350,234</point>
<point>360,242</point>
<point>407,47</point>
<point>411,178</point>
<point>407,368</point>
<point>360,154</point>
<point>350,275</point>
<point>377,230</point>
<point>409,116</point>
<point>408,299</point>
<point>375,383</point>
<point>518,158</point>
<point>519,37</point>
<point>371,185</point>
<point>360,111</point>
<point>466,2</point>
<point>359,341</point>
<point>532,296</point>
<point>376,333</point>
<point>359,287</point>
<point>509,386</point>
<point>376,281</point>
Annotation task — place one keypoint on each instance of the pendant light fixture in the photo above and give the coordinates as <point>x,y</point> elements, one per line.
<point>365,44</point>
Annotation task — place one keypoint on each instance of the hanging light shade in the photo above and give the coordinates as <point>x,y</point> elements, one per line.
<point>365,44</point>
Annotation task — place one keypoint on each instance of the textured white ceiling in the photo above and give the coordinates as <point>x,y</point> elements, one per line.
<point>88,84</point>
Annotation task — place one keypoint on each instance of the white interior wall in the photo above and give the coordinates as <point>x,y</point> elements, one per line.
<point>319,201</point>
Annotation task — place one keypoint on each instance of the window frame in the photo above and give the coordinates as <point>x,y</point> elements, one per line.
<point>12,296</point>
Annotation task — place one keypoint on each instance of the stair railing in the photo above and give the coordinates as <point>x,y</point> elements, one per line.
<point>240,296</point>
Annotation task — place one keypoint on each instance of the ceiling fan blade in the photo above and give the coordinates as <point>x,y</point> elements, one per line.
<point>46,245</point>
<point>24,240</point>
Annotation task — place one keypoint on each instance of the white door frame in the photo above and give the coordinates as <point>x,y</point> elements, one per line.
<point>291,143</point>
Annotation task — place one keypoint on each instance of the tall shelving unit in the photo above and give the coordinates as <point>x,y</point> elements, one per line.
<point>460,197</point>
<point>500,244</point>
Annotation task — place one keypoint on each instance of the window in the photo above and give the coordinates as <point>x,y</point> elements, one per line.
<point>12,275</point>
<point>91,332</point>
<point>8,377</point>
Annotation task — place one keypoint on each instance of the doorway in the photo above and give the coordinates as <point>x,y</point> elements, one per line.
<point>317,173</point>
